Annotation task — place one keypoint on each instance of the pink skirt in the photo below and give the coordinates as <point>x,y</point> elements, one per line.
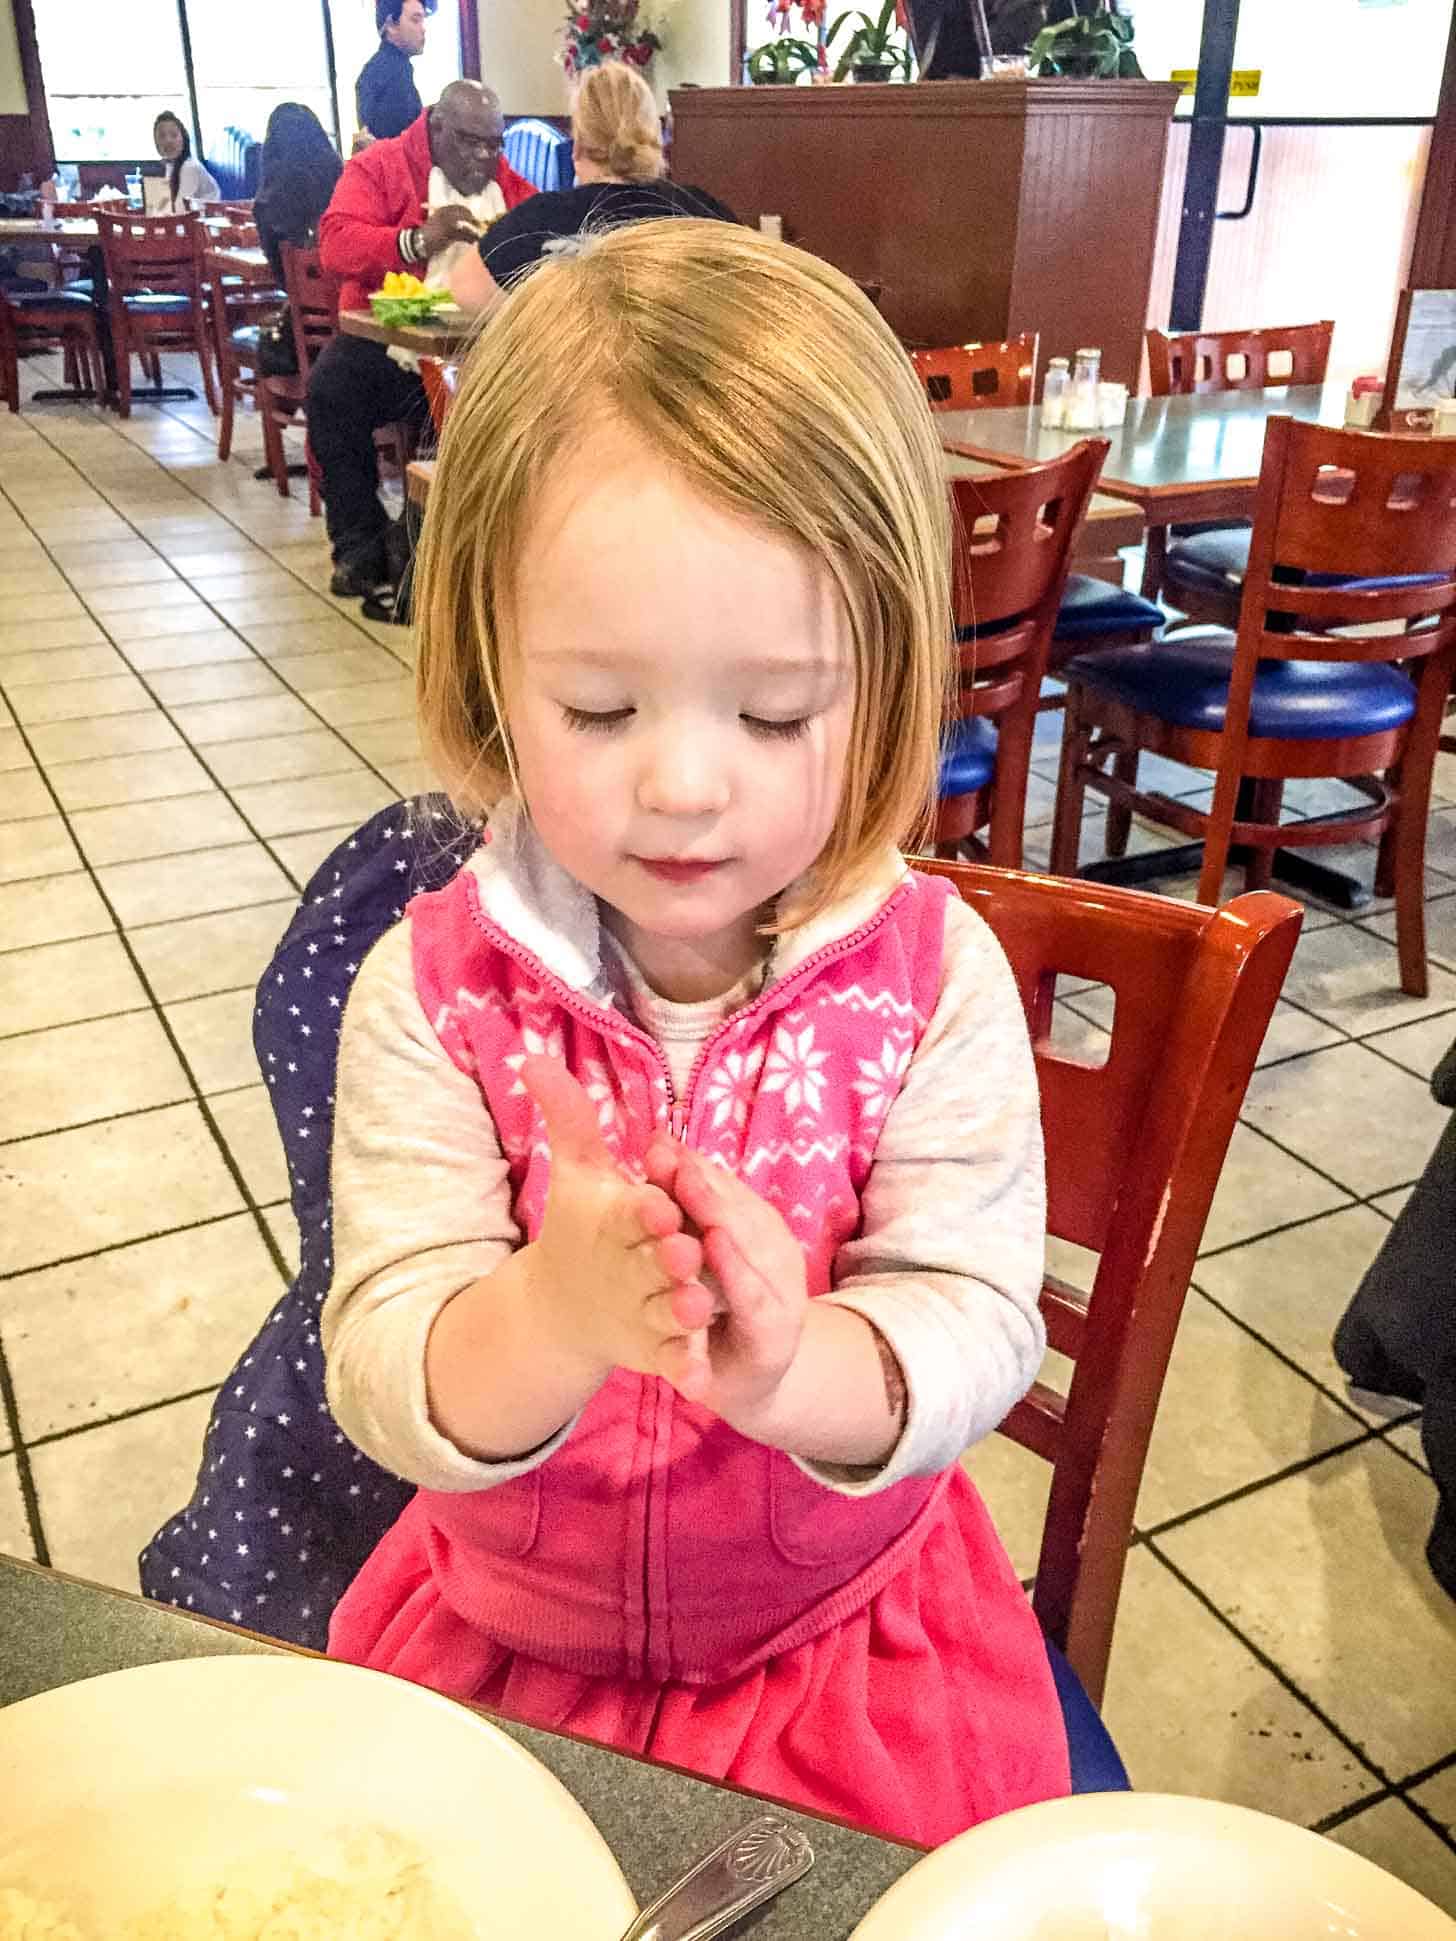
<point>928,1710</point>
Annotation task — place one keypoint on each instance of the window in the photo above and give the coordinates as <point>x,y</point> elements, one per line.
<point>245,60</point>
<point>109,72</point>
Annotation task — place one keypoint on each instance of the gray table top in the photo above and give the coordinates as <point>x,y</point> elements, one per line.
<point>54,1630</point>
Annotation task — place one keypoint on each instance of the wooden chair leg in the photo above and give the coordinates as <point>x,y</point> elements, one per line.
<point>9,359</point>
<point>1071,788</point>
<point>204,359</point>
<point>1217,837</point>
<point>225,428</point>
<point>273,452</point>
<point>1265,800</point>
<point>1119,814</point>
<point>1155,550</point>
<point>123,375</point>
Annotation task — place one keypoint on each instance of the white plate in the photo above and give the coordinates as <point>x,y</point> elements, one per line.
<point>1147,1867</point>
<point>124,1791</point>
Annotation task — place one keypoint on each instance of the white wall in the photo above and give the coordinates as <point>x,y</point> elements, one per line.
<point>12,81</point>
<point>518,51</point>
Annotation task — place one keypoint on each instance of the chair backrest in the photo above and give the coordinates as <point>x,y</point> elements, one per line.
<point>1237,360</point>
<point>441,381</point>
<point>1012,534</point>
<point>236,233</point>
<point>158,254</point>
<point>1134,1148</point>
<point>313,302</point>
<point>974,377</point>
<point>541,153</point>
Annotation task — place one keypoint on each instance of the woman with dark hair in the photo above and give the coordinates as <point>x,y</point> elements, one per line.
<point>187,181</point>
<point>299,170</point>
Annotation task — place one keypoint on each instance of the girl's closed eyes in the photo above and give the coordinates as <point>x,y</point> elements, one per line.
<point>602,722</point>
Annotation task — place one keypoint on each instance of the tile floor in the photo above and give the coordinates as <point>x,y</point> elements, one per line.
<point>189,723</point>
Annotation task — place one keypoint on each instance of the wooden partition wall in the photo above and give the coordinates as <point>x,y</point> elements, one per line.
<point>982,208</point>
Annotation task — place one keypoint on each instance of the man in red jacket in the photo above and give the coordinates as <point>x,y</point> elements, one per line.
<point>398,206</point>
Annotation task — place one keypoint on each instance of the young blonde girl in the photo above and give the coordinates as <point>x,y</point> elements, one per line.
<point>687,1168</point>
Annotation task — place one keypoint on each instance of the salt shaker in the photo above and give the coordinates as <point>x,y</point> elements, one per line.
<point>1054,393</point>
<point>1083,410</point>
<point>1111,405</point>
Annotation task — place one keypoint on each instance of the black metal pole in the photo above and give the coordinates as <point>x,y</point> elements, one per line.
<point>333,67</point>
<point>201,151</point>
<point>1205,163</point>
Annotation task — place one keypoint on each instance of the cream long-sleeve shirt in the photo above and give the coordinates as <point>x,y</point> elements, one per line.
<point>947,1264</point>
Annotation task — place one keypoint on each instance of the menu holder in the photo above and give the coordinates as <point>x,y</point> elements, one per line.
<point>1420,372</point>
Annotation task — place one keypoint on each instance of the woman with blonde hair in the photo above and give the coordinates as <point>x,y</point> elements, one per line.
<point>617,148</point>
<point>688,1200</point>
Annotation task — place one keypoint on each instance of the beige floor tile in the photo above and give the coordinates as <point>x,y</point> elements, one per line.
<point>246,1122</point>
<point>1193,1711</point>
<point>121,734</point>
<point>59,664</point>
<point>303,854</point>
<point>66,983</point>
<point>1391,1203</point>
<point>38,847</point>
<point>143,1469</point>
<point>282,758</point>
<point>34,580</point>
<point>341,667</point>
<point>1261,1187</point>
<point>24,795</point>
<point>13,752</point>
<point>1267,1416</point>
<point>1326,1572</point>
<point>1360,1119</point>
<point>343,707</point>
<point>171,827</point>
<point>216,1036</point>
<point>255,582</point>
<point>206,649</point>
<point>149,597</point>
<point>78,700</point>
<point>1438,1796</point>
<point>1395,1839</point>
<point>1440,930</point>
<point>321,801</point>
<point>208,723</point>
<point>1408,1440</point>
<point>284,1229</point>
<point>146,569</point>
<point>74,1073</point>
<point>171,887</point>
<point>135,1326</point>
<point>1350,977</point>
<point>409,778</point>
<point>304,635</point>
<point>14,1530</point>
<point>200,558</point>
<point>190,617</point>
<point>386,741</point>
<point>200,956</point>
<point>56,603</point>
<point>1014,1486</point>
<point>1418,1047</point>
<point>50,910</point>
<point>1293,1287</point>
<point>261,606</point>
<point>66,1194</point>
<point>37,636</point>
<point>118,779</point>
<point>239,680</point>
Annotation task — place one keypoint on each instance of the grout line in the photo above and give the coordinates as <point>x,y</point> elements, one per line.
<point>1297,1468</point>
<point>121,1415</point>
<point>25,1475</point>
<point>1356,1806</point>
<point>132,1240</point>
<point>1330,1394</point>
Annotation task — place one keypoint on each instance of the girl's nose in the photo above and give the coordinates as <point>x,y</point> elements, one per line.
<point>682,777</point>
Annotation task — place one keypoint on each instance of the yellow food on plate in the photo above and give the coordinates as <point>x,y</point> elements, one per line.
<point>400,283</point>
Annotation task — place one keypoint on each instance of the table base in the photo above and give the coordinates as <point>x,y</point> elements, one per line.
<point>64,396</point>
<point>1291,866</point>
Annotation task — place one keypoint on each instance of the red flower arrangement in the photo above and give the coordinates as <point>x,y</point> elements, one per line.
<point>607,30</point>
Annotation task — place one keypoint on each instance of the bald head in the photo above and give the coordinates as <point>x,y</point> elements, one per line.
<point>467,131</point>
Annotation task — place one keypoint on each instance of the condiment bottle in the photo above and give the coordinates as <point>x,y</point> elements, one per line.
<point>1054,393</point>
<point>1083,409</point>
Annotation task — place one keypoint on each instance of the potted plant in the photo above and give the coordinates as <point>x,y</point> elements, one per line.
<point>876,50</point>
<point>1093,43</point>
<point>781,62</point>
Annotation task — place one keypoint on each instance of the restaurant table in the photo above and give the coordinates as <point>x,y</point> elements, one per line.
<point>56,1629</point>
<point>444,337</point>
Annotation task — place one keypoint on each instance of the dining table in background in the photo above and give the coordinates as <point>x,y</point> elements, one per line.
<point>443,337</point>
<point>56,1629</point>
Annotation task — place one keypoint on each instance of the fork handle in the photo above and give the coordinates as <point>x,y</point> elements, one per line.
<point>749,1868</point>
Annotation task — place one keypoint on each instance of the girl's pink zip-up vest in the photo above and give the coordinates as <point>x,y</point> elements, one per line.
<point>657,1543</point>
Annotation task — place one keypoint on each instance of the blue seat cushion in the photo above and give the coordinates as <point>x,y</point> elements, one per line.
<point>1184,680</point>
<point>967,757</point>
<point>1096,1763</point>
<point>23,286</point>
<point>158,303</point>
<point>1218,561</point>
<point>31,300</point>
<point>1091,608</point>
<point>245,340</point>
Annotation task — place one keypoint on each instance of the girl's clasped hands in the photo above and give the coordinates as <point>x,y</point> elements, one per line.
<point>619,1263</point>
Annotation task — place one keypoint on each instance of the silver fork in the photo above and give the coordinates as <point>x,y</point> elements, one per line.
<point>749,1868</point>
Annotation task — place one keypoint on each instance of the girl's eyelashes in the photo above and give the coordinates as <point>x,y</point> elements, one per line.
<point>596,724</point>
<point>603,722</point>
<point>775,730</point>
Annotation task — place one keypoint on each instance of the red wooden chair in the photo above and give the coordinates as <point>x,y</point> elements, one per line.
<point>154,289</point>
<point>61,319</point>
<point>1013,534</point>
<point>1201,571</point>
<point>235,313</point>
<point>1134,1149</point>
<point>441,381</point>
<point>1296,693</point>
<point>975,377</point>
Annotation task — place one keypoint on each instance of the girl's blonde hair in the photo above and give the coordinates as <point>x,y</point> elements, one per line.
<point>769,383</point>
<point>614,123</point>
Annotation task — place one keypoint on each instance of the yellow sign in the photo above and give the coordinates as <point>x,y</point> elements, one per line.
<point>1245,80</point>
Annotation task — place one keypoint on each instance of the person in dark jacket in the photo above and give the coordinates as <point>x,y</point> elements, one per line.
<point>385,94</point>
<point>299,170</point>
<point>1397,1339</point>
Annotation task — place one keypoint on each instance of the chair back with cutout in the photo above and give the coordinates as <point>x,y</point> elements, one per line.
<point>1200,361</point>
<point>976,377</point>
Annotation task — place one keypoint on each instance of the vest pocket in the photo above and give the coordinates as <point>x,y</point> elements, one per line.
<point>505,1521</point>
<point>813,1525</point>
